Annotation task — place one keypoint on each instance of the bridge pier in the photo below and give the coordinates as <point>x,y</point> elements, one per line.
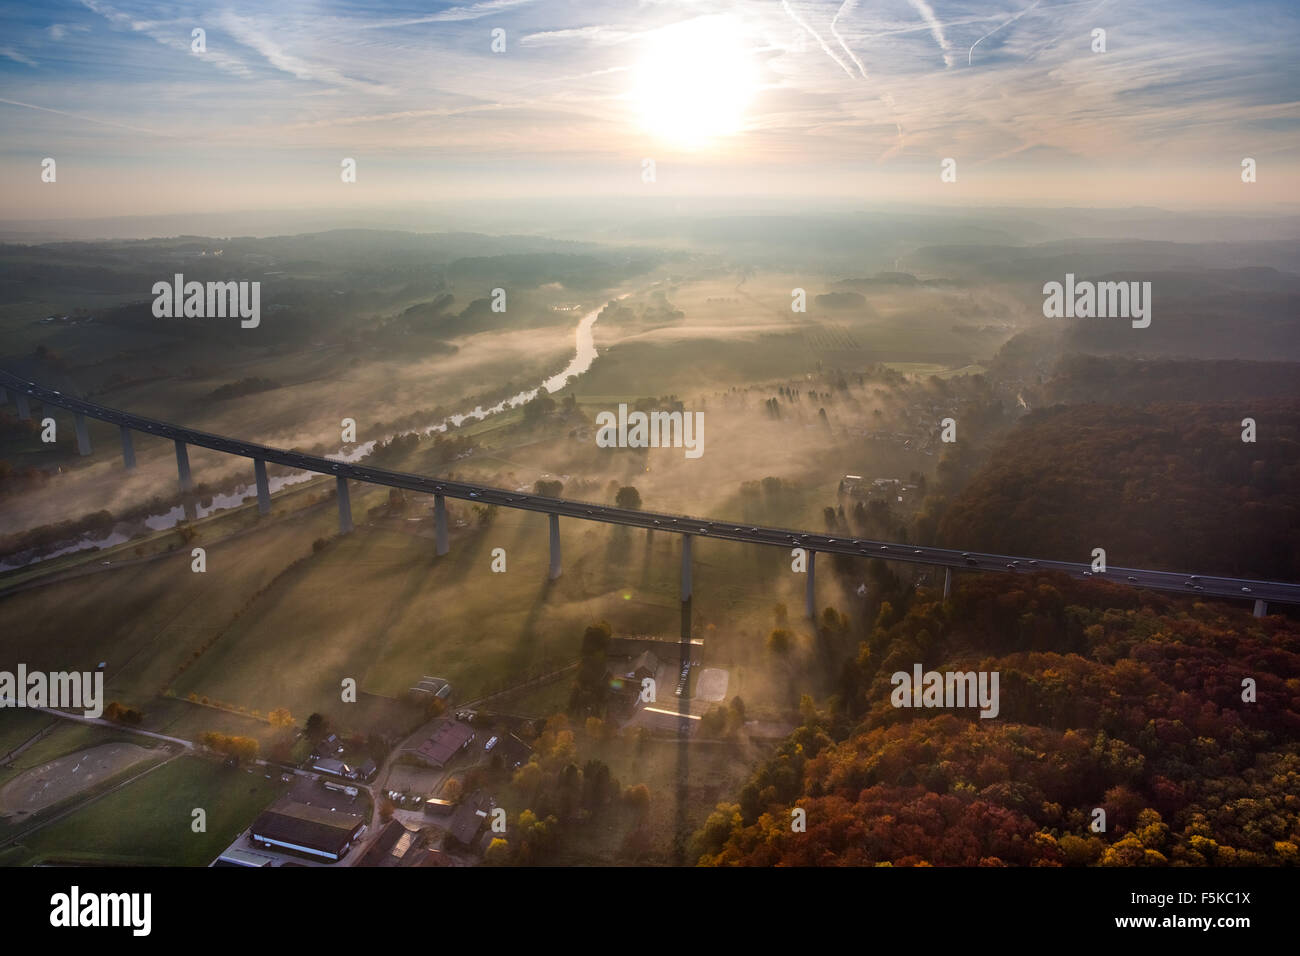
<point>555,546</point>
<point>263,487</point>
<point>183,465</point>
<point>440,525</point>
<point>128,449</point>
<point>687,589</point>
<point>810,599</point>
<point>24,409</point>
<point>345,505</point>
<point>1261,607</point>
<point>947,582</point>
<point>83,436</point>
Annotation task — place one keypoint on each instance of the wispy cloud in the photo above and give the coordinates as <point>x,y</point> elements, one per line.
<point>9,53</point>
<point>847,8</point>
<point>936,29</point>
<point>816,36</point>
<point>259,37</point>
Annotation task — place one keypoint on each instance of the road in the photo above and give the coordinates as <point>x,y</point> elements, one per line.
<point>1185,583</point>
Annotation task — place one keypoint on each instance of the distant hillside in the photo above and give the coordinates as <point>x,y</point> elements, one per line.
<point>1167,486</point>
<point>1110,699</point>
<point>1089,378</point>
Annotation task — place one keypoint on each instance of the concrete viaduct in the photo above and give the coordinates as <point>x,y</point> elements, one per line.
<point>24,392</point>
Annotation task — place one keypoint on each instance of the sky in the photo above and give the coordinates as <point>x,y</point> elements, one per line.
<point>860,99</point>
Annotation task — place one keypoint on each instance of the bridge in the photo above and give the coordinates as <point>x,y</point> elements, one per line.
<point>688,527</point>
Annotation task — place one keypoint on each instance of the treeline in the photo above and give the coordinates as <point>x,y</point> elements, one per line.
<point>1091,378</point>
<point>1169,486</point>
<point>1172,726</point>
<point>565,793</point>
<point>241,748</point>
<point>245,386</point>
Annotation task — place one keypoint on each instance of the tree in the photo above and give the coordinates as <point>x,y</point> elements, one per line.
<point>628,497</point>
<point>280,717</point>
<point>548,488</point>
<point>589,688</point>
<point>497,853</point>
<point>637,799</point>
<point>316,725</point>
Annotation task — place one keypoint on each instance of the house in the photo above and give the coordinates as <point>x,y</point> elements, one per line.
<point>367,770</point>
<point>448,738</point>
<point>391,847</point>
<point>312,831</point>
<point>333,767</point>
<point>437,806</point>
<point>469,818</point>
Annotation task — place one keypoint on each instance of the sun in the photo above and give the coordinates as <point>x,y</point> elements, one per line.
<point>694,81</point>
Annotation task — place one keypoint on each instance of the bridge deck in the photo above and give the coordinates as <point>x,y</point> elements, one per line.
<point>1205,585</point>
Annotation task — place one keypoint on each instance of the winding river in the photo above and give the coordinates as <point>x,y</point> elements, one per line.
<point>584,355</point>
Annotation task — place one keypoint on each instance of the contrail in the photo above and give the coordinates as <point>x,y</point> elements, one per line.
<point>936,28</point>
<point>829,52</point>
<point>997,28</point>
<point>88,119</point>
<point>847,7</point>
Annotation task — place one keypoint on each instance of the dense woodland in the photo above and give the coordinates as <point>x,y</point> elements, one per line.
<point>1113,699</point>
<point>1170,486</point>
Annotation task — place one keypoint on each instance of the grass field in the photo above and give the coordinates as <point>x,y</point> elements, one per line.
<point>149,821</point>
<point>19,726</point>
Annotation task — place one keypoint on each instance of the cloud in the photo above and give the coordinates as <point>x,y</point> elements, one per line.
<point>936,29</point>
<point>174,35</point>
<point>84,119</point>
<point>251,34</point>
<point>58,31</point>
<point>10,53</point>
<point>475,11</point>
<point>970,56</point>
<point>813,33</point>
<point>846,8</point>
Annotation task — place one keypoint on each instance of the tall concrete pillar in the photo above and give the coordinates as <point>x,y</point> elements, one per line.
<point>128,449</point>
<point>687,589</point>
<point>345,505</point>
<point>83,436</point>
<point>1261,607</point>
<point>183,465</point>
<point>440,525</point>
<point>811,599</point>
<point>555,545</point>
<point>263,487</point>
<point>947,582</point>
<point>24,409</point>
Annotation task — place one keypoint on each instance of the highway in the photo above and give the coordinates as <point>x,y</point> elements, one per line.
<point>1181,583</point>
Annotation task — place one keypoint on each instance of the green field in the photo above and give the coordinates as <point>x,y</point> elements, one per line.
<point>149,821</point>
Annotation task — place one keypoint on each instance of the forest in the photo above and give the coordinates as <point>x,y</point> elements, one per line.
<point>1069,479</point>
<point>1177,720</point>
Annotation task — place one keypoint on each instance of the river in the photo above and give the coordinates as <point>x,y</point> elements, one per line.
<point>584,355</point>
